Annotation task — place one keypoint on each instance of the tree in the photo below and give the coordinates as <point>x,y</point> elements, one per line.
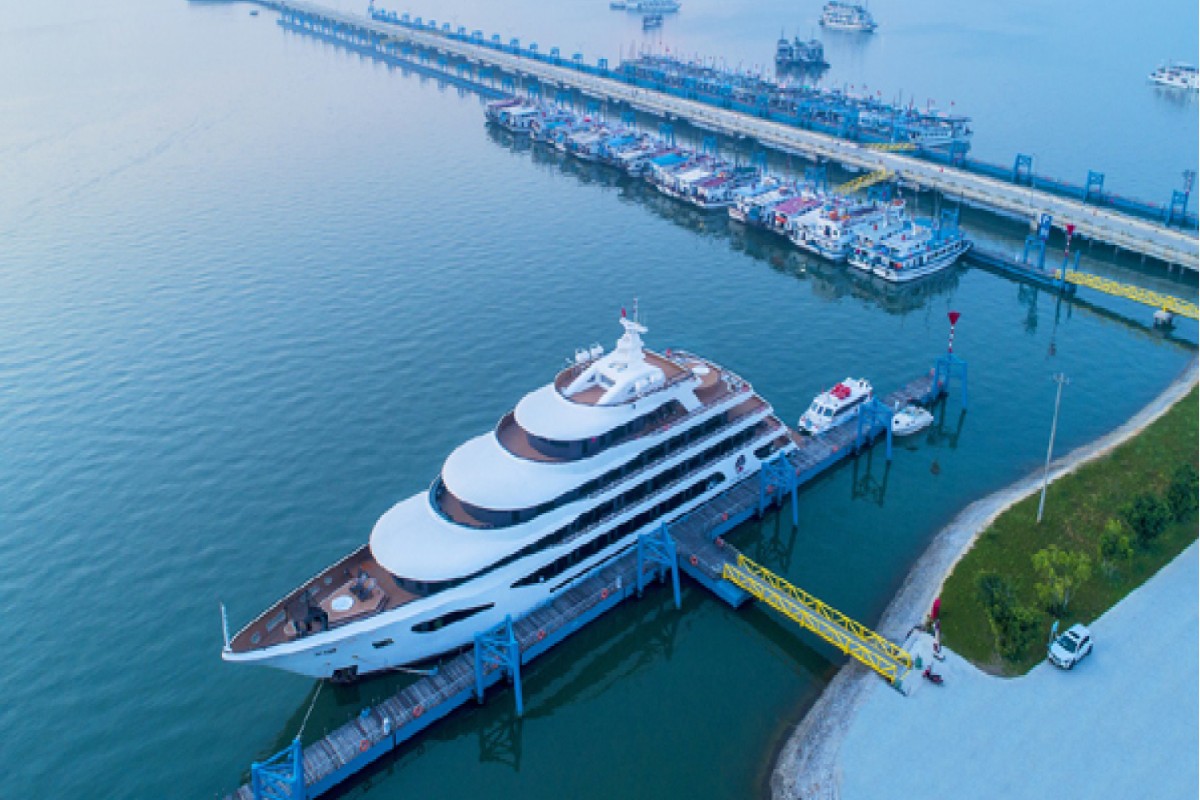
<point>1147,516</point>
<point>1181,492</point>
<point>1062,572</point>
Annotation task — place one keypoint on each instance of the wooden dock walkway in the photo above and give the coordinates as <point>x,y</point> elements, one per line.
<point>701,553</point>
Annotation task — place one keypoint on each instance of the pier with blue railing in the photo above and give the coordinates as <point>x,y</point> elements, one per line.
<point>693,543</point>
<point>1161,231</point>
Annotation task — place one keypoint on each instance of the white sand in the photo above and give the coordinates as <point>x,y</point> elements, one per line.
<point>1122,724</point>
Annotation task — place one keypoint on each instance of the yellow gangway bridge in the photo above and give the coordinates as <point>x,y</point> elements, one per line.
<point>893,147</point>
<point>863,181</point>
<point>887,658</point>
<point>1175,305</point>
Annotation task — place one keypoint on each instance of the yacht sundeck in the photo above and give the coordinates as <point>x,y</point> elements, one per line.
<point>613,447</point>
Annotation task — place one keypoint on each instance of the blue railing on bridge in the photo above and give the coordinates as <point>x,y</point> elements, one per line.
<point>1174,212</point>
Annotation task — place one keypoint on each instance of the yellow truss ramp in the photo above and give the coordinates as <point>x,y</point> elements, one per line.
<point>1173,304</point>
<point>853,638</point>
<point>893,147</point>
<point>863,181</point>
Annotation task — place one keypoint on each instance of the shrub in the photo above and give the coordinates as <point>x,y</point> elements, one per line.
<point>1061,572</point>
<point>1013,626</point>
<point>1147,516</point>
<point>1181,492</point>
<point>1114,542</point>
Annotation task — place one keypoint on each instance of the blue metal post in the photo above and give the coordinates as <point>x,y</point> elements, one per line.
<point>1038,245</point>
<point>667,131</point>
<point>280,777</point>
<point>871,414</point>
<point>658,548</point>
<point>777,474</point>
<point>1023,170</point>
<point>818,176</point>
<point>944,369</point>
<point>1095,186</point>
<point>498,649</point>
<point>709,145</point>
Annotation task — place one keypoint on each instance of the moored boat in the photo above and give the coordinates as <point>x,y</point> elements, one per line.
<point>841,16</point>
<point>616,445</point>
<point>911,253</point>
<point>835,406</point>
<point>910,419</point>
<point>1175,75</point>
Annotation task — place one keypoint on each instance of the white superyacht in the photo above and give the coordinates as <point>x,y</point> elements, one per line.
<point>613,447</point>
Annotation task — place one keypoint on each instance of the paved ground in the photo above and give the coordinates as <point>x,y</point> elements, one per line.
<point>1123,724</point>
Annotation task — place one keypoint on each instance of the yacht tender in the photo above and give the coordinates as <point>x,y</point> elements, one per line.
<point>613,447</point>
<point>831,408</point>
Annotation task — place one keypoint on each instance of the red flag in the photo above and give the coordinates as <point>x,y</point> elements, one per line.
<point>954,315</point>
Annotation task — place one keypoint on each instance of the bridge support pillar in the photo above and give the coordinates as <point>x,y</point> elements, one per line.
<point>1095,187</point>
<point>947,367</point>
<point>1023,170</point>
<point>870,415</point>
<point>497,649</point>
<point>656,553</point>
<point>777,478</point>
<point>280,777</point>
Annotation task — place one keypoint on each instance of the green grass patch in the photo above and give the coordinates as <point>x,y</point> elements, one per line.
<point>1078,506</point>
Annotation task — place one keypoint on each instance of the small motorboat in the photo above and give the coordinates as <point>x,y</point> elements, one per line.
<point>832,408</point>
<point>910,419</point>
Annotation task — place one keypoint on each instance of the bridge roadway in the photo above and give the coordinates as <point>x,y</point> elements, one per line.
<point>1139,236</point>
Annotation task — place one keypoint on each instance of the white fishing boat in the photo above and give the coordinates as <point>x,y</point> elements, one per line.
<point>614,446</point>
<point>831,230</point>
<point>839,16</point>
<point>1176,76</point>
<point>911,253</point>
<point>910,419</point>
<point>835,406</point>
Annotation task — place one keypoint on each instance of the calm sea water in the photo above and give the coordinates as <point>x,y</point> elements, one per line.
<point>254,288</point>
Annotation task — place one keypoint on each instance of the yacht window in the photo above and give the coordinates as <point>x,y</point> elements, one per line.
<point>828,412</point>
<point>382,643</point>
<point>437,623</point>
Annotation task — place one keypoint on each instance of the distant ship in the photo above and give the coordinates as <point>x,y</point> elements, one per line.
<point>841,16</point>
<point>1176,76</point>
<point>798,54</point>
<point>646,6</point>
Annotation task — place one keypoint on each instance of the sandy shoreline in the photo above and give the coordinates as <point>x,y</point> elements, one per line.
<point>808,764</point>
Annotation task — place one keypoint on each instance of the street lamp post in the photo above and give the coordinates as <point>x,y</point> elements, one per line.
<point>1061,379</point>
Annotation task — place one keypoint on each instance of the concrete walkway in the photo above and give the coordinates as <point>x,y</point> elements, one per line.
<point>1123,724</point>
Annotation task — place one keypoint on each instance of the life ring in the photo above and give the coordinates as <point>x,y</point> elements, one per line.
<point>418,710</point>
<point>694,561</point>
<point>604,593</point>
<point>364,746</point>
<point>720,542</point>
<point>541,634</point>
